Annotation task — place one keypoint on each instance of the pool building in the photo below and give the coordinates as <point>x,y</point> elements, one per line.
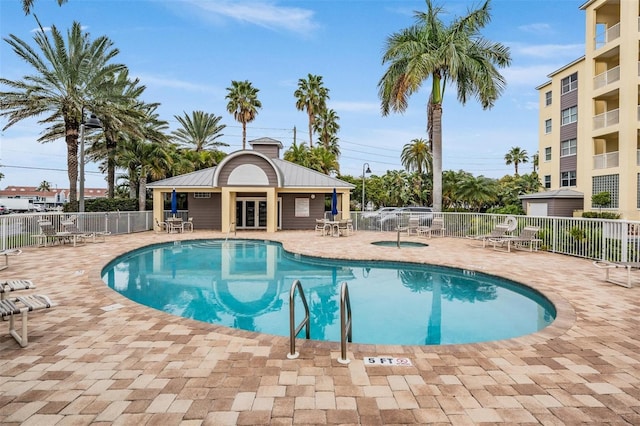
<point>253,189</point>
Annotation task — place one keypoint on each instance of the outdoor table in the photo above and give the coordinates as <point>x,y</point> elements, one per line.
<point>174,225</point>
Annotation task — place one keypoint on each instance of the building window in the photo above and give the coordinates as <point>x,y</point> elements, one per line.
<point>568,147</point>
<point>547,181</point>
<point>608,183</point>
<point>547,98</point>
<point>570,83</point>
<point>547,126</point>
<point>569,115</point>
<point>547,154</point>
<point>201,195</point>
<point>568,178</point>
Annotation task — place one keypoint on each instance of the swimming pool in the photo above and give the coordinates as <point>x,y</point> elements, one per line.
<point>245,284</point>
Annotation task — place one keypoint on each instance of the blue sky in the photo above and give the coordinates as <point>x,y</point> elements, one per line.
<point>187,52</point>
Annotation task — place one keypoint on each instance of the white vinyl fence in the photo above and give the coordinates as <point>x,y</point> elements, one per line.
<point>597,239</point>
<point>17,230</point>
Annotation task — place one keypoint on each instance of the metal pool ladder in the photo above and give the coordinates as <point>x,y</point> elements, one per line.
<point>294,331</point>
<point>345,323</point>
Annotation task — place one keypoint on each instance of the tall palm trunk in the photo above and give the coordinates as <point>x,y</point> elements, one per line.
<point>71,139</point>
<point>142,197</point>
<point>310,130</point>
<point>244,135</point>
<point>111,168</point>
<point>437,157</point>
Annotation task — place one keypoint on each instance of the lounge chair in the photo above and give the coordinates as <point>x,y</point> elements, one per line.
<point>14,285</point>
<point>22,305</point>
<point>437,227</point>
<point>498,232</point>
<point>527,240</point>
<point>80,236</point>
<point>607,266</point>
<point>49,233</point>
<point>6,254</point>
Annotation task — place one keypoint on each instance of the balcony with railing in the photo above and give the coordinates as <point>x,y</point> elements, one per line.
<point>606,160</point>
<point>607,35</point>
<point>607,77</point>
<point>606,119</point>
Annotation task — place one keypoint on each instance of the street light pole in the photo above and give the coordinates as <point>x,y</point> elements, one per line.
<point>368,170</point>
<point>92,123</point>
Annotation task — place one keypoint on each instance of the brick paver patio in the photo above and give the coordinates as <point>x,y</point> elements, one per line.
<point>136,365</point>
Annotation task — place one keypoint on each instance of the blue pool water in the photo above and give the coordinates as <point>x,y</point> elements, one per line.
<point>246,283</point>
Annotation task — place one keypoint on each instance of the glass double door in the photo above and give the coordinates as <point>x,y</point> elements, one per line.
<point>251,213</point>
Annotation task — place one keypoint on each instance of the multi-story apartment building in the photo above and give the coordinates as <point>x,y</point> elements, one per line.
<point>589,122</point>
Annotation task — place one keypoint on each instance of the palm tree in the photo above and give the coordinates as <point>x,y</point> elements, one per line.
<point>515,156</point>
<point>456,53</point>
<point>417,156</point>
<point>27,5</point>
<point>68,76</point>
<point>121,113</point>
<point>199,131</point>
<point>298,154</point>
<point>44,186</point>
<point>326,125</point>
<point>243,104</point>
<point>311,96</point>
<point>323,160</point>
<point>478,193</point>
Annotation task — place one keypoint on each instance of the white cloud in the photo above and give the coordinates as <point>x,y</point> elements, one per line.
<point>263,13</point>
<point>153,80</point>
<point>536,28</point>
<point>558,52</point>
<point>355,106</point>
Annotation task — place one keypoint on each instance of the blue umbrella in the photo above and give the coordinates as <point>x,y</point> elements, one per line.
<point>174,202</point>
<point>334,203</point>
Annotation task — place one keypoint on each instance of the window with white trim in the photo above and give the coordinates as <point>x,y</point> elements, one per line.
<point>547,126</point>
<point>547,181</point>
<point>569,115</point>
<point>607,183</point>
<point>568,178</point>
<point>568,147</point>
<point>547,154</point>
<point>547,98</point>
<point>569,83</point>
<point>201,195</point>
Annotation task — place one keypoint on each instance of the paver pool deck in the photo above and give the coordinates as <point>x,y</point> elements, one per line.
<point>137,366</point>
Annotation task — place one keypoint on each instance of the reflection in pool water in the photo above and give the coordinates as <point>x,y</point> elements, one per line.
<point>245,284</point>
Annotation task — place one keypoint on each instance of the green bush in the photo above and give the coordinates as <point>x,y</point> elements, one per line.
<point>601,215</point>
<point>107,205</point>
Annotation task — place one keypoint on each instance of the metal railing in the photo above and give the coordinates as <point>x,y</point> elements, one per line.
<point>345,323</point>
<point>596,239</point>
<point>293,330</point>
<point>18,230</point>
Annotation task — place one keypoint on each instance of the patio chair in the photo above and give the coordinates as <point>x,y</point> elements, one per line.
<point>627,266</point>
<point>188,224</point>
<point>322,227</point>
<point>345,228</point>
<point>413,226</point>
<point>22,305</point>
<point>436,228</point>
<point>527,240</point>
<point>499,231</point>
<point>48,233</point>
<point>14,285</point>
<point>161,226</point>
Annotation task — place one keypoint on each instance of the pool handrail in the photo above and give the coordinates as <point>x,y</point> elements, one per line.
<point>294,331</point>
<point>345,323</point>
